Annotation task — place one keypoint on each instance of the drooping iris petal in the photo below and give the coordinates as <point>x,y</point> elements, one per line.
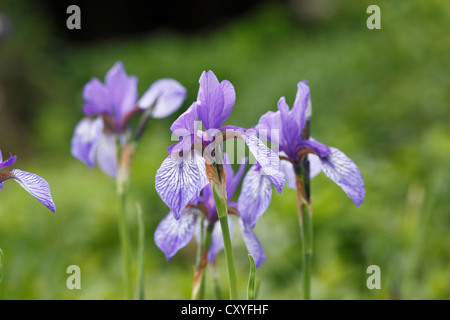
<point>256,193</point>
<point>35,185</point>
<point>86,136</point>
<point>318,147</point>
<point>96,97</point>
<point>106,154</point>
<point>171,234</point>
<point>267,159</point>
<point>315,166</point>
<point>252,243</point>
<point>179,181</point>
<point>165,96</point>
<point>122,91</point>
<point>289,173</point>
<point>344,172</point>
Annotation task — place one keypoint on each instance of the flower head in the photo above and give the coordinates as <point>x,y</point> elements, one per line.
<point>31,182</point>
<point>108,108</point>
<point>173,234</point>
<point>182,175</point>
<point>285,127</point>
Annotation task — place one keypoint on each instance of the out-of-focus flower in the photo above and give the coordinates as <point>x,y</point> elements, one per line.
<point>108,108</point>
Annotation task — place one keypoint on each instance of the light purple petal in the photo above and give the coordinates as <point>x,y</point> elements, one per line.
<point>233,179</point>
<point>210,101</point>
<point>3,164</point>
<point>122,90</point>
<point>187,123</point>
<point>229,95</point>
<point>217,240</point>
<point>179,181</point>
<point>290,130</point>
<point>256,193</point>
<point>301,105</point>
<point>269,127</point>
<point>85,139</point>
<point>252,243</point>
<point>315,165</point>
<point>106,154</point>
<point>96,97</point>
<point>289,173</point>
<point>165,96</point>
<point>267,159</point>
<point>321,149</point>
<point>344,172</point>
<point>171,234</point>
<point>36,186</point>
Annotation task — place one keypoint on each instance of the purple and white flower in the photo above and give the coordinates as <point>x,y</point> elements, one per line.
<point>31,182</point>
<point>174,233</point>
<point>108,108</point>
<point>182,176</point>
<point>284,128</point>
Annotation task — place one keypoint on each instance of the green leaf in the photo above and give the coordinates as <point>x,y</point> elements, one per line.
<point>251,292</point>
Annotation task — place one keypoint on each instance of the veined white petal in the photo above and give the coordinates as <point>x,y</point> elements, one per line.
<point>344,172</point>
<point>256,193</point>
<point>171,234</point>
<point>179,180</point>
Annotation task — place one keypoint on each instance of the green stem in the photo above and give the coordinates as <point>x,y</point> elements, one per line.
<point>125,245</point>
<point>306,234</point>
<point>140,293</point>
<point>307,249</point>
<point>198,287</point>
<point>229,257</point>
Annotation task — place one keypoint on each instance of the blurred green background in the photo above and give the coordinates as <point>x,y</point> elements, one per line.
<point>380,96</point>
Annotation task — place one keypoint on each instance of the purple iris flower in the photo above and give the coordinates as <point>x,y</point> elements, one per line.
<point>31,182</point>
<point>173,234</point>
<point>284,128</point>
<point>182,175</point>
<point>108,108</point>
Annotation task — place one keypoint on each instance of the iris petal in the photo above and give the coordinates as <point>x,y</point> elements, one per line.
<point>36,186</point>
<point>171,234</point>
<point>85,139</point>
<point>165,96</point>
<point>256,193</point>
<point>179,181</point>
<point>252,243</point>
<point>344,172</point>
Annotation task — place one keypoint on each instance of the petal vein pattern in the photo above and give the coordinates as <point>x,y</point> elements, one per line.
<point>179,181</point>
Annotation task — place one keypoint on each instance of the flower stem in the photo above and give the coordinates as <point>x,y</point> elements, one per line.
<point>217,179</point>
<point>125,245</point>
<point>229,257</point>
<point>198,287</point>
<point>140,292</point>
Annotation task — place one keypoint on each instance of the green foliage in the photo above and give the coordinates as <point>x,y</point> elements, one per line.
<point>380,96</point>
